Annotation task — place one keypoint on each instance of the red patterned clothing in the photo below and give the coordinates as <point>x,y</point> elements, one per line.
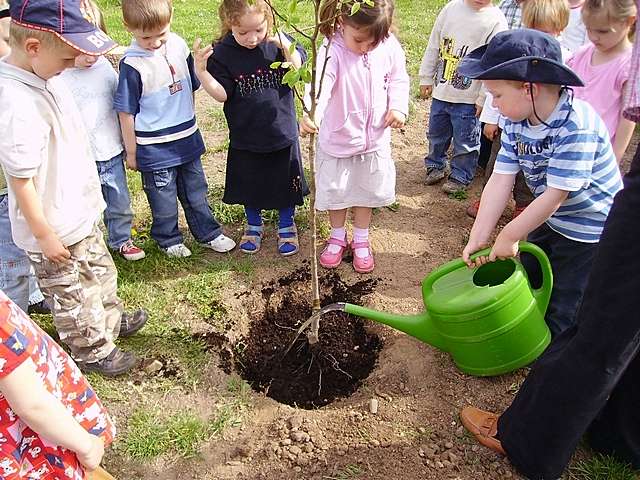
<point>23,453</point>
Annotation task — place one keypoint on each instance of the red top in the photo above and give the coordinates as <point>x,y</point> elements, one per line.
<point>23,453</point>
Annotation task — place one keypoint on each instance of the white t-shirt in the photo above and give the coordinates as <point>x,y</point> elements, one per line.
<point>44,138</point>
<point>575,35</point>
<point>93,89</point>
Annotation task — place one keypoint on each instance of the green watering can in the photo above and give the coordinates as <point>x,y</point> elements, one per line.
<point>488,318</point>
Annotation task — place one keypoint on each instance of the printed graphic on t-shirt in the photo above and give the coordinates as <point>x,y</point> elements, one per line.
<point>447,67</point>
<point>262,79</point>
<point>533,148</point>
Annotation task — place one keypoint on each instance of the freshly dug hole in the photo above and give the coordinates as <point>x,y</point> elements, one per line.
<point>309,376</point>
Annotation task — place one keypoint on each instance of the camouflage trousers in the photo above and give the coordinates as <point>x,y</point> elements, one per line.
<point>82,296</point>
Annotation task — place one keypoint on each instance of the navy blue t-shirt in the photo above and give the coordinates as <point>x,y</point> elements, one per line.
<point>260,110</point>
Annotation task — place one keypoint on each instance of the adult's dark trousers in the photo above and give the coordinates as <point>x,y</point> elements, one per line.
<point>589,377</point>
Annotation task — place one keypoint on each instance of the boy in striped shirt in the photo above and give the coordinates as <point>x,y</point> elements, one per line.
<point>562,147</point>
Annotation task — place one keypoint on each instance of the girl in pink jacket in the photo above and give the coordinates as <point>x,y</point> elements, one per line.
<point>365,92</point>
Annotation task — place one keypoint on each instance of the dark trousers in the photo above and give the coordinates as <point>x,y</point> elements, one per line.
<point>188,184</point>
<point>589,377</point>
<point>571,262</point>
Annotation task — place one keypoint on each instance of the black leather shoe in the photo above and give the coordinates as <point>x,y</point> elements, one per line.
<point>130,323</point>
<point>114,364</point>
<point>40,308</point>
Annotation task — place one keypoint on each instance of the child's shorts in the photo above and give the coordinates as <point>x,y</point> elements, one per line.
<point>364,180</point>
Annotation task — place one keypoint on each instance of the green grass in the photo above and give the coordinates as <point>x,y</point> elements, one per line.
<point>602,467</point>
<point>151,432</point>
<point>349,472</point>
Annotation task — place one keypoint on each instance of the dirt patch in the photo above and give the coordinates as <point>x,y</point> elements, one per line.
<point>294,372</point>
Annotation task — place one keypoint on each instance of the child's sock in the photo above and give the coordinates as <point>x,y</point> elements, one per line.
<point>339,234</point>
<point>254,219</point>
<point>361,235</point>
<point>285,219</point>
<point>254,216</point>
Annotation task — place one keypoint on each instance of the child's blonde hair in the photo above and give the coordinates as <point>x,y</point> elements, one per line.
<point>615,10</point>
<point>146,14</point>
<point>19,34</point>
<point>550,16</point>
<point>378,20</point>
<point>93,11</point>
<point>230,12</point>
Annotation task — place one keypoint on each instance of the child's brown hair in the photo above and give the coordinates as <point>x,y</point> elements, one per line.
<point>550,16</point>
<point>19,34</point>
<point>377,19</point>
<point>146,14</point>
<point>230,12</point>
<point>97,18</point>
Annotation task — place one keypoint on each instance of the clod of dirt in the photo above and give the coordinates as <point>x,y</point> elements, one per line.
<point>308,376</point>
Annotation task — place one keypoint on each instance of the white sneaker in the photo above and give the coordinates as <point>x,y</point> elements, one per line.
<point>220,244</point>
<point>179,250</point>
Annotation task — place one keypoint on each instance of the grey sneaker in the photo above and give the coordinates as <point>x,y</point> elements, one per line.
<point>114,364</point>
<point>220,244</point>
<point>433,176</point>
<point>130,323</point>
<point>179,250</point>
<point>453,186</point>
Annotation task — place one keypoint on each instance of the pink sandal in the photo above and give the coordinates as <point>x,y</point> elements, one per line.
<point>366,264</point>
<point>332,260</point>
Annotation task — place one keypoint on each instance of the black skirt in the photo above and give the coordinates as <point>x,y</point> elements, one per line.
<point>266,180</point>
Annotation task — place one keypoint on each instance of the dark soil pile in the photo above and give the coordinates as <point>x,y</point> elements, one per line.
<point>309,376</point>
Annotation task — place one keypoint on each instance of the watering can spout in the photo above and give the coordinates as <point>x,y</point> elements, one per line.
<point>419,326</point>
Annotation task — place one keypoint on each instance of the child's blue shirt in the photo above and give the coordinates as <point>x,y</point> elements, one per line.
<point>157,88</point>
<point>575,155</point>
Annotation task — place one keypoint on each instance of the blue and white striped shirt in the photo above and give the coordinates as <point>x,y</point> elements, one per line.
<point>575,156</point>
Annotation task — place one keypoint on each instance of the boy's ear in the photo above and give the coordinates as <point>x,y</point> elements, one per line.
<point>32,46</point>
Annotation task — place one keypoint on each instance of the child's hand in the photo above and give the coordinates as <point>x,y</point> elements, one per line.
<point>91,458</point>
<point>478,110</point>
<point>472,247</point>
<point>394,119</point>
<point>53,249</point>
<point>132,163</point>
<point>490,131</point>
<point>426,91</point>
<point>504,246</point>
<point>307,126</point>
<point>277,38</point>
<point>201,55</point>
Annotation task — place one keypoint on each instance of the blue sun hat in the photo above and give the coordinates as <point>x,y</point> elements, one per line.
<point>69,20</point>
<point>523,55</point>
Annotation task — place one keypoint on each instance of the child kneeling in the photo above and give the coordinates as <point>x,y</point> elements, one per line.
<point>562,147</point>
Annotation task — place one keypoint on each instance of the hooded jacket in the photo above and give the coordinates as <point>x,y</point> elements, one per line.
<point>357,92</point>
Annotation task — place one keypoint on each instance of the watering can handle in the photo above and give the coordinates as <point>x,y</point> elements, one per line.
<point>542,294</point>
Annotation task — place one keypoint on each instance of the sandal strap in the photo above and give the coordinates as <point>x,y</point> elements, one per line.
<point>337,241</point>
<point>355,245</point>
<point>254,229</point>
<point>289,229</point>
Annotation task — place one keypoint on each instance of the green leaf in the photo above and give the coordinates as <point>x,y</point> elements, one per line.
<point>355,8</point>
<point>293,5</point>
<point>291,78</point>
<point>369,2</point>
<point>275,65</point>
<point>292,48</point>
<point>305,73</point>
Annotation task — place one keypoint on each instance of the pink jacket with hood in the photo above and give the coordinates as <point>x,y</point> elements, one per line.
<point>357,91</point>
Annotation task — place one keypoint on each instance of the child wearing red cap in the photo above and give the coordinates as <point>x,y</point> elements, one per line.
<point>55,200</point>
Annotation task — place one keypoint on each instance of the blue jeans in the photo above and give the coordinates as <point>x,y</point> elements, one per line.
<point>17,279</point>
<point>457,122</point>
<point>118,214</point>
<point>188,184</point>
<point>571,263</point>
